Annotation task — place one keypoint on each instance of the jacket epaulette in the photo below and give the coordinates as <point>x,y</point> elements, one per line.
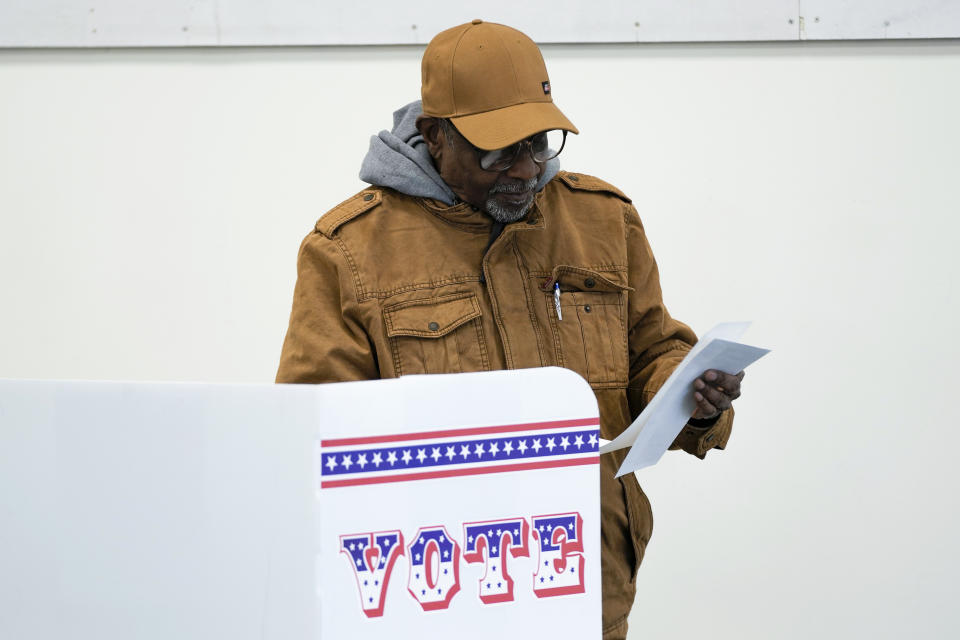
<point>583,182</point>
<point>348,210</point>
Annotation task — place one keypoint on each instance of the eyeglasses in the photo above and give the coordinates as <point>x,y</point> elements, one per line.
<point>543,147</point>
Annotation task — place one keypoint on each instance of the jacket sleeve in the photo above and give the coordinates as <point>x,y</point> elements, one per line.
<point>326,341</point>
<point>658,343</point>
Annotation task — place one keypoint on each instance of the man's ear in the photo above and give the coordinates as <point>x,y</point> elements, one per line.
<point>432,133</point>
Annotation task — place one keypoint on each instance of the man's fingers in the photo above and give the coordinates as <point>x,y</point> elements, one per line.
<point>716,396</point>
<point>719,399</point>
<point>704,408</point>
<point>724,381</point>
<point>715,391</point>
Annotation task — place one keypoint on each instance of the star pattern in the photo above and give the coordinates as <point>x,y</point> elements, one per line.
<point>488,543</point>
<point>561,555</point>
<point>433,553</point>
<point>468,451</point>
<point>371,558</point>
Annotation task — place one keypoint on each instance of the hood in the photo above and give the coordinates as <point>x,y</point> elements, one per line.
<point>399,159</point>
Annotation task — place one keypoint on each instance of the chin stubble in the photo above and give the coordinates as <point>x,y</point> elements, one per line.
<point>505,214</point>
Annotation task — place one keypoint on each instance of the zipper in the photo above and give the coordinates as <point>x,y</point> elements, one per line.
<point>495,230</point>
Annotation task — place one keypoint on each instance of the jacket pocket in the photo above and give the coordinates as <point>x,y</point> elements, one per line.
<point>590,334</point>
<point>436,335</point>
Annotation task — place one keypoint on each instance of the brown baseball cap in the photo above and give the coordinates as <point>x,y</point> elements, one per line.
<point>490,80</point>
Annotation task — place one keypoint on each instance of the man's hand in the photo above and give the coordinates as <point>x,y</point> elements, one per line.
<point>714,391</point>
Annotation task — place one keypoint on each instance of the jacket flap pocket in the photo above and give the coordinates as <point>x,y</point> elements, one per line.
<point>573,278</point>
<point>430,317</point>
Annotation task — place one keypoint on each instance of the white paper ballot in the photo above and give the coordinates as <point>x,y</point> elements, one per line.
<point>658,425</point>
<point>725,330</point>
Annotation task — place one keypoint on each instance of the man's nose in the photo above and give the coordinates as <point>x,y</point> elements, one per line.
<point>524,168</point>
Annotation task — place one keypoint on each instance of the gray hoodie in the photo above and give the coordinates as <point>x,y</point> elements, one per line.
<point>399,159</point>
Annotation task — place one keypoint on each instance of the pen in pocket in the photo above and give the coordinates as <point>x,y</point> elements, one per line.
<point>556,300</point>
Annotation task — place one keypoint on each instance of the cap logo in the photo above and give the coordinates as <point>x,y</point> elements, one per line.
<point>546,87</point>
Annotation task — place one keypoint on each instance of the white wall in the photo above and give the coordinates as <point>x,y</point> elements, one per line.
<point>152,202</point>
<point>181,23</point>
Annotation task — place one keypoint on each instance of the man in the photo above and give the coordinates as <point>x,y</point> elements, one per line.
<point>472,251</point>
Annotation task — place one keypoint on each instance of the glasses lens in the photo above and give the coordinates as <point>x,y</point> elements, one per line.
<point>499,159</point>
<point>543,146</point>
<point>548,144</point>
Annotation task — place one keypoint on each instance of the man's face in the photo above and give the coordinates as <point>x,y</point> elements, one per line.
<point>504,195</point>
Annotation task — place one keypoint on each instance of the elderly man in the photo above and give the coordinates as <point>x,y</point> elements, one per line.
<point>471,251</point>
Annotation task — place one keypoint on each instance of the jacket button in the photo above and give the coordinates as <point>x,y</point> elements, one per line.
<point>589,283</point>
<point>368,197</point>
<point>433,326</point>
<point>587,308</point>
<point>574,178</point>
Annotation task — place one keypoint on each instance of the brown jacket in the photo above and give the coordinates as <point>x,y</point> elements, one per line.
<point>390,284</point>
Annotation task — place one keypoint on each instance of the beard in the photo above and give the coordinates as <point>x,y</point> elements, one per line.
<point>510,212</point>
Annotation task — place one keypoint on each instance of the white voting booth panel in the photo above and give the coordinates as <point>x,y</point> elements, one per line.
<point>428,506</point>
<point>489,492</point>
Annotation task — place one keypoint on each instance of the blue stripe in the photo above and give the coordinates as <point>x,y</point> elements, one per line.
<point>530,452</point>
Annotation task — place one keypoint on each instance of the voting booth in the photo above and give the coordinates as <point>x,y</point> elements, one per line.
<point>455,506</point>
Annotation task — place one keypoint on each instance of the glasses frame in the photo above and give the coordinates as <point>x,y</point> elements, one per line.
<point>516,146</point>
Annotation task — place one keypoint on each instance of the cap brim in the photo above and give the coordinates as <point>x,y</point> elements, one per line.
<point>502,127</point>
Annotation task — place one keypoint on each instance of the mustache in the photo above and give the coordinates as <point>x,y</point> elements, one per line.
<point>514,187</point>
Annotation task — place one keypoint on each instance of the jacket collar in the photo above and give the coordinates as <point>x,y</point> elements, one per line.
<point>466,218</point>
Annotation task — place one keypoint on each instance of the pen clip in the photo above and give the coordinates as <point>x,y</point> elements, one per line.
<point>556,300</point>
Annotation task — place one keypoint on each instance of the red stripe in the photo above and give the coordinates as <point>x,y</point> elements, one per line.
<point>450,473</point>
<point>473,431</point>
